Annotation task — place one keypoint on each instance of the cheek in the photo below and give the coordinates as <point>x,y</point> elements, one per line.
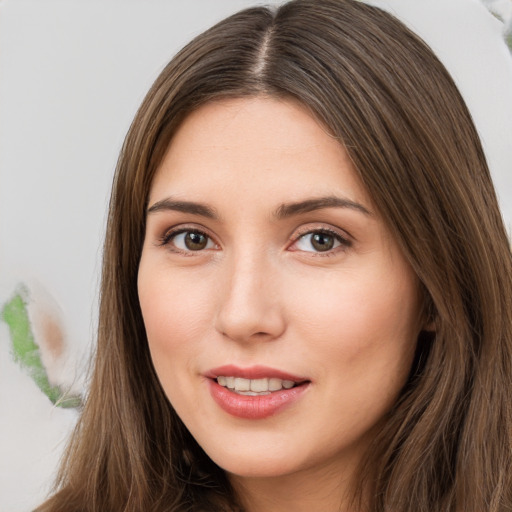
<point>176,314</point>
<point>362,339</point>
<point>365,322</point>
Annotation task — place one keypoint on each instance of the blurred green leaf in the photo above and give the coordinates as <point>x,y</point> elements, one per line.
<point>26,352</point>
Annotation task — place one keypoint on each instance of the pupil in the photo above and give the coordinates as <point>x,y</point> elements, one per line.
<point>322,241</point>
<point>195,241</point>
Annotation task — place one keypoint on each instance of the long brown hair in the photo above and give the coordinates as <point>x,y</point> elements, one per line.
<point>447,443</point>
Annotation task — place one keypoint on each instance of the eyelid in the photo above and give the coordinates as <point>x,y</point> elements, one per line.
<point>342,236</point>
<point>170,233</point>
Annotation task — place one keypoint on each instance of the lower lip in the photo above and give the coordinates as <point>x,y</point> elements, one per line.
<point>255,407</point>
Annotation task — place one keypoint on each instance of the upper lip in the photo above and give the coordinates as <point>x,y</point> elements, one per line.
<point>252,372</point>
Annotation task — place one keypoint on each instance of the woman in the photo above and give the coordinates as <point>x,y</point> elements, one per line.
<point>306,299</point>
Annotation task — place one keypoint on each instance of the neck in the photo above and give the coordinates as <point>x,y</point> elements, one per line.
<point>324,488</point>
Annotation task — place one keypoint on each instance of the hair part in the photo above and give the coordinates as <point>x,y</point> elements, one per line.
<point>376,87</point>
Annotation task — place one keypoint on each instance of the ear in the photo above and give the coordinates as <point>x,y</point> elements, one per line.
<point>429,316</point>
<point>429,326</point>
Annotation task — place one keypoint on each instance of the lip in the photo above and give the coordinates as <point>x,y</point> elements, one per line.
<point>252,372</point>
<point>255,407</point>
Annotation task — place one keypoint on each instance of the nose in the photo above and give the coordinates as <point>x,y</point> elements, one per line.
<point>249,307</point>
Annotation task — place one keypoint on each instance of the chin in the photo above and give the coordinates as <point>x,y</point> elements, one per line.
<point>271,465</point>
<point>256,464</point>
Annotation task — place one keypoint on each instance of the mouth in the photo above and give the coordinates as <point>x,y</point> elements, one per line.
<point>255,387</point>
<point>256,392</point>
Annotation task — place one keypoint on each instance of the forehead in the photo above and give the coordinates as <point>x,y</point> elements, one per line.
<point>263,145</point>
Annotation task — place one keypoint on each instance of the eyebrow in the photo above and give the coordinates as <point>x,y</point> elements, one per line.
<point>185,207</point>
<point>285,210</point>
<point>310,205</point>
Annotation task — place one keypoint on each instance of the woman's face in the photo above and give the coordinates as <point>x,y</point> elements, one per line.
<point>281,316</point>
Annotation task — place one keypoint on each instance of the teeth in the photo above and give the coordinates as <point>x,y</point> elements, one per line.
<point>259,385</point>
<point>252,393</point>
<point>242,384</point>
<point>253,387</point>
<point>275,384</point>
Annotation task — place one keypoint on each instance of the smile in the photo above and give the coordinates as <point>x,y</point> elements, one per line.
<point>254,387</point>
<point>255,393</point>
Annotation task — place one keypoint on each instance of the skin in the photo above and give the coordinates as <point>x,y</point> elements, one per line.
<point>260,293</point>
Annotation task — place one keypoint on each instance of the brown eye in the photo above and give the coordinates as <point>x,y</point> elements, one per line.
<point>322,241</point>
<point>195,241</point>
<point>189,241</point>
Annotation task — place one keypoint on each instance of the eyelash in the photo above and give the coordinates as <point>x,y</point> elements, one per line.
<point>168,236</point>
<point>344,243</point>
